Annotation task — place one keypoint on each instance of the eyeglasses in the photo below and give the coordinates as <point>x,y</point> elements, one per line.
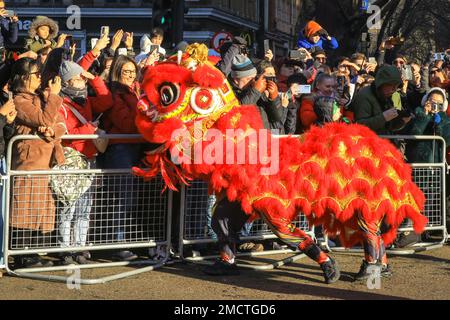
<point>129,72</point>
<point>36,73</point>
<point>399,62</point>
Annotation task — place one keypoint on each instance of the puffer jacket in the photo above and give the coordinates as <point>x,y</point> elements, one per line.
<point>34,42</point>
<point>368,105</point>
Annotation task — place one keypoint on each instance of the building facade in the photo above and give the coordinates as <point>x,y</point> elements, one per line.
<point>252,19</point>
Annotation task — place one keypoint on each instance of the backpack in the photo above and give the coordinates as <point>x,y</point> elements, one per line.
<point>69,188</point>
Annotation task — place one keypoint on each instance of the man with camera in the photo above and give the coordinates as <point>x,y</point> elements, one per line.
<point>228,51</point>
<point>260,89</point>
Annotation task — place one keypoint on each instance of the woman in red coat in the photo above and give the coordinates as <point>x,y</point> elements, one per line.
<point>123,154</point>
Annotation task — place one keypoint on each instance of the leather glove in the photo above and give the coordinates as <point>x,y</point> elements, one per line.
<point>323,33</point>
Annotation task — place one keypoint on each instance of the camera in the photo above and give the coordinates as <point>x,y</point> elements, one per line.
<point>241,44</point>
<point>273,79</point>
<point>436,107</point>
<point>398,124</point>
<point>297,55</point>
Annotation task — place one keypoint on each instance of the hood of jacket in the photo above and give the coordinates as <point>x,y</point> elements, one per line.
<point>40,21</point>
<point>387,75</point>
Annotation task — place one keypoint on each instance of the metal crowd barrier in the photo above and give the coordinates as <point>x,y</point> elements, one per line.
<point>430,178</point>
<point>125,213</point>
<point>3,180</point>
<point>194,229</point>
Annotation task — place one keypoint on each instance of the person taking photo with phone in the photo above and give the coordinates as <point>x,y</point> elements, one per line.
<point>9,27</point>
<point>431,119</point>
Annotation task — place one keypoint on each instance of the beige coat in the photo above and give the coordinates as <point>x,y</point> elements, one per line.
<point>33,202</point>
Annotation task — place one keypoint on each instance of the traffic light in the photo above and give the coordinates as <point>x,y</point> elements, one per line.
<point>162,16</point>
<point>169,16</point>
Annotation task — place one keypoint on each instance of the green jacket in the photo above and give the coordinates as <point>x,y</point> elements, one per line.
<point>37,44</point>
<point>368,106</point>
<point>424,125</point>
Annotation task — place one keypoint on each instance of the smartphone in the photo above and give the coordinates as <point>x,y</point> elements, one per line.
<point>305,89</point>
<point>10,95</point>
<point>372,60</point>
<point>104,31</point>
<point>288,94</point>
<point>266,46</point>
<point>297,55</point>
<point>93,42</point>
<point>439,56</point>
<point>153,47</point>
<point>123,51</point>
<point>68,47</point>
<point>10,13</point>
<point>407,73</point>
<point>68,43</point>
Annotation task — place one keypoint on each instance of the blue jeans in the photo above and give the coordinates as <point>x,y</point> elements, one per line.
<point>209,212</point>
<point>2,208</point>
<point>247,229</point>
<point>78,213</point>
<point>122,189</point>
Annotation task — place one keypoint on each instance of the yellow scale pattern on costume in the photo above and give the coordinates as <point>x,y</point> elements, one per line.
<point>344,202</point>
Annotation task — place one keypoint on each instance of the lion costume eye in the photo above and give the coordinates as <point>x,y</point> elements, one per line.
<point>204,101</point>
<point>169,93</point>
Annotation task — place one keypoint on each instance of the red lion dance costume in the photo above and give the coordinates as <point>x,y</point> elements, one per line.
<point>343,177</point>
